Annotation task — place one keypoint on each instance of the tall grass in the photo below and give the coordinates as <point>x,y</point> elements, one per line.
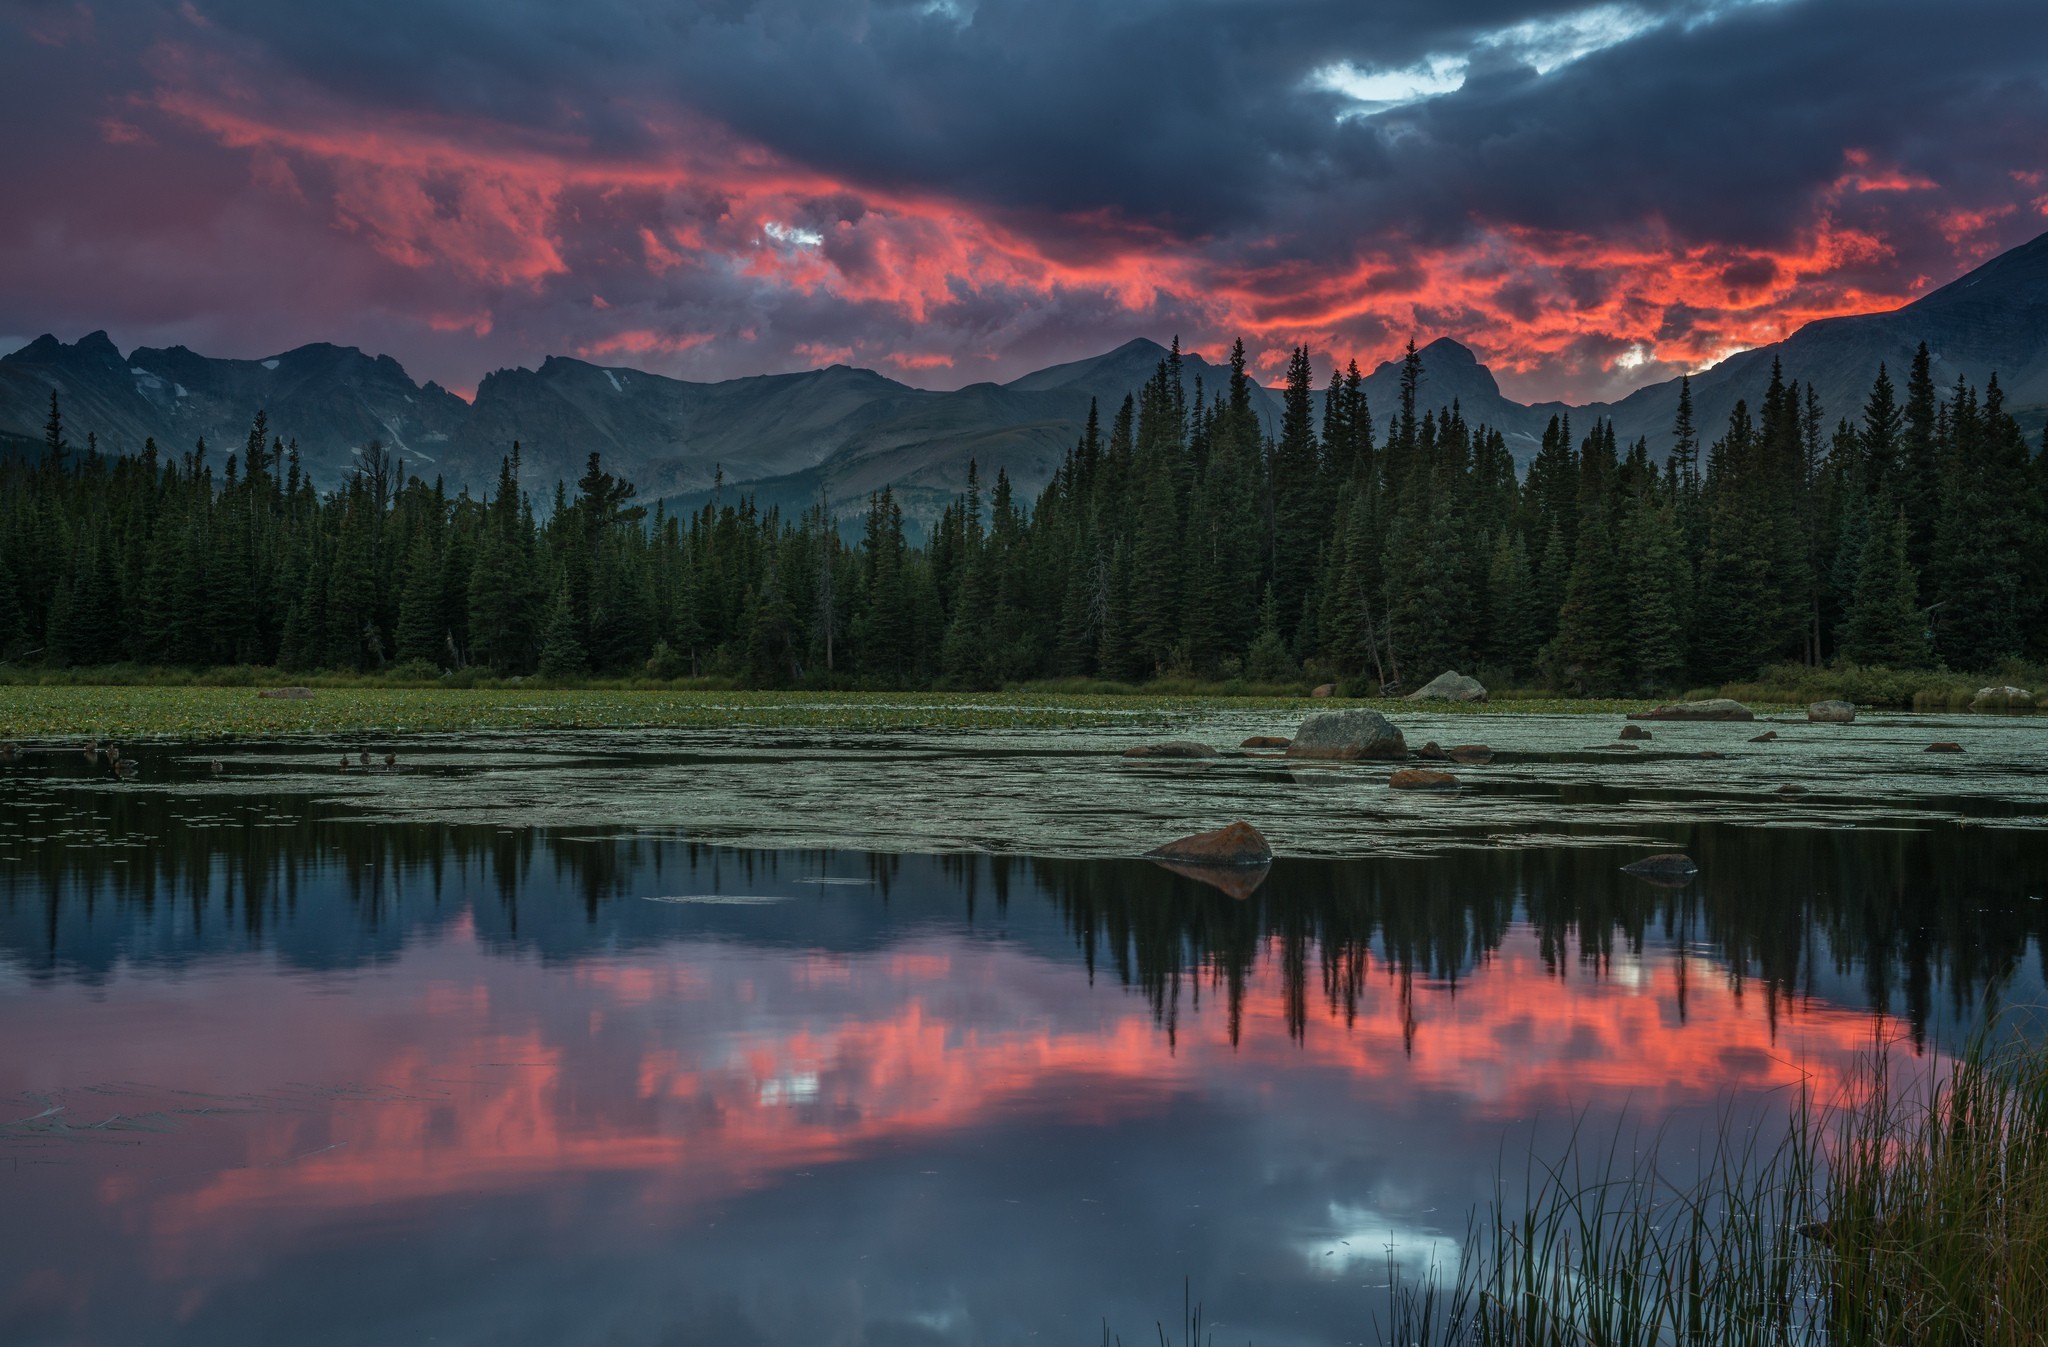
<point>1891,1216</point>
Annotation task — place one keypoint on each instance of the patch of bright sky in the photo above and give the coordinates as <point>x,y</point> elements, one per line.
<point>792,235</point>
<point>1543,45</point>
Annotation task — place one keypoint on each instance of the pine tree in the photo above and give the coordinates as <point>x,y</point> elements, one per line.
<point>561,650</point>
<point>422,632</point>
<point>1885,626</point>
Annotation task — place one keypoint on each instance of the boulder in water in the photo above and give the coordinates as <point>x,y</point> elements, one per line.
<point>1450,687</point>
<point>1265,741</point>
<point>1421,778</point>
<point>1347,735</point>
<point>1666,867</point>
<point>1234,844</point>
<point>1767,737</point>
<point>1634,732</point>
<point>2002,699</point>
<point>1475,754</point>
<point>1173,748</point>
<point>1943,746</point>
<point>1833,711</point>
<point>1713,708</point>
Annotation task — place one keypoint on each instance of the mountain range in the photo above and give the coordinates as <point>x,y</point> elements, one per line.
<point>841,432</point>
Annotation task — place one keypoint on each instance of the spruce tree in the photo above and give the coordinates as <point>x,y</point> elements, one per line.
<point>1885,625</point>
<point>561,649</point>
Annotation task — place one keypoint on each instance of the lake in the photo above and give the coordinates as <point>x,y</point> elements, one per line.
<point>814,1037</point>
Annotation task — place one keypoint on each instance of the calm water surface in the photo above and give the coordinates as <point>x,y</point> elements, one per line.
<point>630,1039</point>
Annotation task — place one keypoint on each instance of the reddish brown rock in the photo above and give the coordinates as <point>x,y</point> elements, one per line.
<point>1234,844</point>
<point>1471,753</point>
<point>1634,732</point>
<point>1421,778</point>
<point>1265,741</point>
<point>1945,746</point>
<point>1431,752</point>
<point>1767,737</point>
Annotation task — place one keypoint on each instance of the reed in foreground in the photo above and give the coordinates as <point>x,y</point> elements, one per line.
<point>1893,1216</point>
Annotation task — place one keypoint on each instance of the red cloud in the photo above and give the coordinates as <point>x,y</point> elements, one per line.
<point>506,211</point>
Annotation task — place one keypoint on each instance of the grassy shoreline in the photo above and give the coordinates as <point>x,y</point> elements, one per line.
<point>32,712</point>
<point>131,701</point>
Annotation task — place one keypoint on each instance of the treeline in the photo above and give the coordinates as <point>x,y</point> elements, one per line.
<point>1180,540</point>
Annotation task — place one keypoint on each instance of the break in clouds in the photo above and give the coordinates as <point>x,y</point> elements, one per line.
<point>1590,196</point>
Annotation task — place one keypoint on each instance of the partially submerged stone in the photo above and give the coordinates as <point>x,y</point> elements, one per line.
<point>1450,687</point>
<point>1347,735</point>
<point>1944,746</point>
<point>1634,732</point>
<point>1173,748</point>
<point>1767,737</point>
<point>1233,881</point>
<point>1791,788</point>
<point>1474,754</point>
<point>1833,711</point>
<point>1712,708</point>
<point>1431,752</point>
<point>1234,844</point>
<point>1665,865</point>
<point>1422,778</point>
<point>1265,741</point>
<point>287,694</point>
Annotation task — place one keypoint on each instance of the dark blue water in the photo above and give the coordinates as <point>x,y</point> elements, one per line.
<point>280,1067</point>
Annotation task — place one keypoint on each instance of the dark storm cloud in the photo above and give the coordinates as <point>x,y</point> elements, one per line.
<point>1001,182</point>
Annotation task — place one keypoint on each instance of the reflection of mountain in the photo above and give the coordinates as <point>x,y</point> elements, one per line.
<point>1919,923</point>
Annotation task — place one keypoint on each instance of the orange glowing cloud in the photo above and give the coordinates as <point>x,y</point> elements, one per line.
<point>507,209</point>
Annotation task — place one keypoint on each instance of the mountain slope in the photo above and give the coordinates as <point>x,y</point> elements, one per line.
<point>332,399</point>
<point>842,433</point>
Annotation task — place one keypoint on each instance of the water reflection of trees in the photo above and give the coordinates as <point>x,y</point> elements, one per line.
<point>1922,920</point>
<point>1908,914</point>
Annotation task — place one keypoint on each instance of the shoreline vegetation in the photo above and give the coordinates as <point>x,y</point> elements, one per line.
<point>1903,1213</point>
<point>134,700</point>
<point>1177,547</point>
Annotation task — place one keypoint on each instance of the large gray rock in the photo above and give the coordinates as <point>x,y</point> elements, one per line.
<point>1834,711</point>
<point>1450,687</point>
<point>1713,708</point>
<point>1348,734</point>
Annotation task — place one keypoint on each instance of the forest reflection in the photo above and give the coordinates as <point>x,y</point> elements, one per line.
<point>1921,922</point>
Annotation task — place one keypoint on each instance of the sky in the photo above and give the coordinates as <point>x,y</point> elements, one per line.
<point>1592,197</point>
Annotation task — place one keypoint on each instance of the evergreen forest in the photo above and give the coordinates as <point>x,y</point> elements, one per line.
<point>1376,547</point>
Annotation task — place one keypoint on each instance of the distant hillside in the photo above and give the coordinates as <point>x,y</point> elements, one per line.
<point>332,399</point>
<point>842,433</point>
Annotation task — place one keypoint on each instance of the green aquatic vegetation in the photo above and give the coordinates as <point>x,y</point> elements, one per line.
<point>31,711</point>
